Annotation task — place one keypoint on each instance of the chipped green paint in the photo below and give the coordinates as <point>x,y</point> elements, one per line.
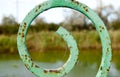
<point>59,72</point>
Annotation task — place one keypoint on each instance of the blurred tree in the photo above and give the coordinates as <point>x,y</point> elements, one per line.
<point>104,12</point>
<point>9,21</point>
<point>115,25</point>
<point>75,20</point>
<point>40,25</point>
<point>9,25</point>
<point>39,20</point>
<point>118,14</point>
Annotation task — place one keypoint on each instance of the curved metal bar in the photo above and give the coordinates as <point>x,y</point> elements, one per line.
<point>100,27</point>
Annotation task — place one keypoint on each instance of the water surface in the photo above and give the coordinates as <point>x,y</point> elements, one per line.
<point>87,65</point>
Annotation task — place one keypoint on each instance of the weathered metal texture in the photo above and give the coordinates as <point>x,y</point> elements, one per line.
<point>100,27</point>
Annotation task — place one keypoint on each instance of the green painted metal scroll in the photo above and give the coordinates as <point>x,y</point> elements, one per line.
<point>60,72</point>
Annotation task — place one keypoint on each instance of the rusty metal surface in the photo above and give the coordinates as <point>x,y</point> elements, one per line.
<point>59,72</point>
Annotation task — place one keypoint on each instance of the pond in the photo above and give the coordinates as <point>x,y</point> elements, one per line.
<point>87,65</point>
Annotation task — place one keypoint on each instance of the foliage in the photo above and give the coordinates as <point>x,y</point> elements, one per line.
<point>8,21</point>
<point>46,40</point>
<point>73,23</point>
<point>116,25</point>
<point>8,44</point>
<point>8,30</point>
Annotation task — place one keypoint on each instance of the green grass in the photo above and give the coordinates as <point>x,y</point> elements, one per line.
<point>44,40</point>
<point>8,43</point>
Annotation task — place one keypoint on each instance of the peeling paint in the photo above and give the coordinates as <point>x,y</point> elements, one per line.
<point>68,66</point>
<point>85,8</point>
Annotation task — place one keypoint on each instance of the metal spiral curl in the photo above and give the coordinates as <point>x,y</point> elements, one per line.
<point>67,67</point>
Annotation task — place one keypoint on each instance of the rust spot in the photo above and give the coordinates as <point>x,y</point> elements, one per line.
<point>33,72</point>
<point>55,71</point>
<point>66,34</point>
<point>29,60</point>
<point>25,23</point>
<point>75,1</point>
<point>28,13</point>
<point>23,30</point>
<point>25,57</point>
<point>85,8</point>
<point>22,34</point>
<point>39,6</point>
<point>24,26</point>
<point>26,66</point>
<point>72,0</point>
<point>18,24</point>
<point>101,68</point>
<point>32,65</point>
<point>70,47</point>
<point>45,71</point>
<point>36,10</point>
<point>36,66</point>
<point>102,27</point>
<point>19,33</point>
<point>107,49</point>
<point>108,69</point>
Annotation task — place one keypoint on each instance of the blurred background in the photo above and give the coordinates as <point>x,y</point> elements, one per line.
<point>44,44</point>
